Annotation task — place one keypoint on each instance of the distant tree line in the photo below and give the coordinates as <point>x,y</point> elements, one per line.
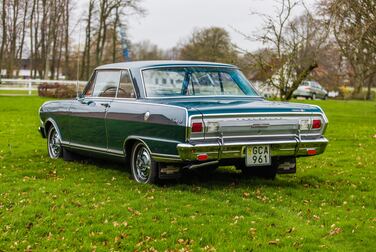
<point>336,45</point>
<point>39,29</point>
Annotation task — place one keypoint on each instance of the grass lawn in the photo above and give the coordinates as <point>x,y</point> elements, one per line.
<point>330,204</point>
<point>17,92</point>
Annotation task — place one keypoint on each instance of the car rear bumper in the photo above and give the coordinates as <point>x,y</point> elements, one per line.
<point>233,150</point>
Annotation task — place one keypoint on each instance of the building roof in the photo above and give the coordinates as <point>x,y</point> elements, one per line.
<point>160,63</point>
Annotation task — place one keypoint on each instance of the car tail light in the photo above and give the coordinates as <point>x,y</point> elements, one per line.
<point>197,127</point>
<point>316,124</point>
<point>202,157</point>
<point>311,152</point>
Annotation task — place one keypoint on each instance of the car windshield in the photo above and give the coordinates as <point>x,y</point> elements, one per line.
<point>196,81</point>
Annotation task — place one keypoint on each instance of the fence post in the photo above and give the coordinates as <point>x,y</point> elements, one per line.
<point>30,86</point>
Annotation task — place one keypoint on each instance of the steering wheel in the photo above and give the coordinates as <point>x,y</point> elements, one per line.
<point>105,94</point>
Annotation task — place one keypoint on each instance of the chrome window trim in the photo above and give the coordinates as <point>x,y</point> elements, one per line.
<point>96,72</point>
<point>198,96</point>
<point>93,75</point>
<point>134,90</point>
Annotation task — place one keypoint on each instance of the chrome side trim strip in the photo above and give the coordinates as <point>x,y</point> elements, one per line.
<point>94,149</point>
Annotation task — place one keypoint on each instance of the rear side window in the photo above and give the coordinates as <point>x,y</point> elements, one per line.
<point>126,89</point>
<point>106,83</point>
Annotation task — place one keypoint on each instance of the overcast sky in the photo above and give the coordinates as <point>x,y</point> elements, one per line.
<point>170,21</point>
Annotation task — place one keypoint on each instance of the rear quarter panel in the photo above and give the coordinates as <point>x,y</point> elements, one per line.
<point>160,126</point>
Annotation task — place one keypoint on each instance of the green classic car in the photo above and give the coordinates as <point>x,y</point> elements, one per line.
<point>162,117</point>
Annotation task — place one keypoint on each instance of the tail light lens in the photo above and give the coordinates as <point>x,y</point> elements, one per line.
<point>197,127</point>
<point>316,124</point>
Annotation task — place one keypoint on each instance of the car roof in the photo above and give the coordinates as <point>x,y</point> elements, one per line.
<point>161,63</point>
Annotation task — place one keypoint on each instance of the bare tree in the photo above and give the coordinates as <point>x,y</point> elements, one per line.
<point>88,32</point>
<point>293,45</point>
<point>4,33</point>
<point>354,29</point>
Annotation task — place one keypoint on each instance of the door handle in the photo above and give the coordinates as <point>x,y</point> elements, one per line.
<point>106,105</point>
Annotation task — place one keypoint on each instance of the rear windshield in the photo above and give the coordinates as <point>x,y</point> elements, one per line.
<point>196,81</point>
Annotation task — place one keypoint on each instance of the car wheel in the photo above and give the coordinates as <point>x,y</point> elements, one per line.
<point>55,150</point>
<point>143,168</point>
<point>313,96</point>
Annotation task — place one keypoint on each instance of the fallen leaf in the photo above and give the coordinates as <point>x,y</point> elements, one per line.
<point>335,231</point>
<point>291,230</point>
<point>253,231</point>
<point>246,195</point>
<point>120,237</point>
<point>274,242</point>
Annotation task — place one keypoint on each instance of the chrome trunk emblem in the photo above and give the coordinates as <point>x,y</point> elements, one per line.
<point>260,125</point>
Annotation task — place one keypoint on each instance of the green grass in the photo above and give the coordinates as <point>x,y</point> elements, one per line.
<point>328,205</point>
<point>17,92</point>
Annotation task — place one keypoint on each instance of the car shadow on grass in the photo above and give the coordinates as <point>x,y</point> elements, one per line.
<point>221,178</point>
<point>225,177</point>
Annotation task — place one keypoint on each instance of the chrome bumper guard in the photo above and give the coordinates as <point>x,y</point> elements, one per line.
<point>229,150</point>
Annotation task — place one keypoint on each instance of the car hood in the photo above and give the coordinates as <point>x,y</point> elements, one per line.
<point>226,105</point>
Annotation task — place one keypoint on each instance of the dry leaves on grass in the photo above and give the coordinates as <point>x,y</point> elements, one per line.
<point>135,212</point>
<point>335,231</point>
<point>120,237</point>
<point>252,232</point>
<point>274,242</point>
<point>117,224</point>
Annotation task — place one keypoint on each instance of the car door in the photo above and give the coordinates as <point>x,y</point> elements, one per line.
<point>124,115</point>
<point>87,124</point>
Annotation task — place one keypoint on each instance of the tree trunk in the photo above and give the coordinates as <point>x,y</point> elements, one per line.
<point>31,38</point>
<point>4,31</point>
<point>66,37</point>
<point>116,21</point>
<point>369,86</point>
<point>20,50</point>
<point>86,55</point>
<point>301,77</point>
<point>13,39</point>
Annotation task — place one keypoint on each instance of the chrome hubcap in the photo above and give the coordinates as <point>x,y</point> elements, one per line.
<point>54,144</point>
<point>142,164</point>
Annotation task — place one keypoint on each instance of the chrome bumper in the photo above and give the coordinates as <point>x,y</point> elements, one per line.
<point>230,150</point>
